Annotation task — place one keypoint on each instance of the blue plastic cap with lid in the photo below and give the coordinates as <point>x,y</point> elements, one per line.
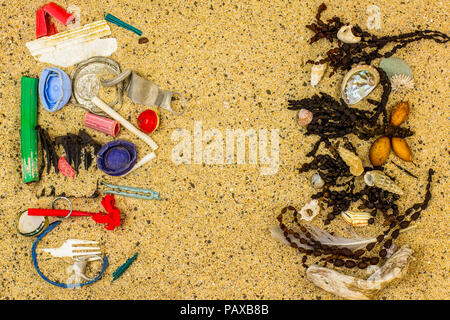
<point>117,157</point>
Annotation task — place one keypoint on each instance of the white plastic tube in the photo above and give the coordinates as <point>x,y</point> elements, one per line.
<point>113,114</point>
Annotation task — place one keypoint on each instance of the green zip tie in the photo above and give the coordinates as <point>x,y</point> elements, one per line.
<point>120,270</point>
<point>120,23</point>
<point>28,133</point>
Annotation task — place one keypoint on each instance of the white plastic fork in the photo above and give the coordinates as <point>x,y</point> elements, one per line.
<point>69,249</point>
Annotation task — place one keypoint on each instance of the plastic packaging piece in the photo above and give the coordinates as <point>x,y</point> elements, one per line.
<point>112,219</point>
<point>113,114</point>
<point>65,168</point>
<point>143,91</point>
<point>72,46</point>
<point>58,13</point>
<point>120,23</point>
<point>102,124</point>
<point>58,284</point>
<point>28,225</point>
<point>148,121</point>
<point>28,134</point>
<point>141,162</point>
<point>55,89</point>
<point>117,157</point>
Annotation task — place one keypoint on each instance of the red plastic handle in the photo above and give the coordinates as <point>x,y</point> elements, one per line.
<point>57,213</point>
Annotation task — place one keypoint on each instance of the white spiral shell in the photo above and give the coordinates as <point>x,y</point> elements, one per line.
<point>380,180</point>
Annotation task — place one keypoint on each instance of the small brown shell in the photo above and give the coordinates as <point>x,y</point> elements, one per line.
<point>304,117</point>
<point>379,151</point>
<point>401,149</point>
<point>352,160</point>
<point>400,113</point>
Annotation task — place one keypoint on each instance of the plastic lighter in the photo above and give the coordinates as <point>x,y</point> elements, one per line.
<point>28,133</point>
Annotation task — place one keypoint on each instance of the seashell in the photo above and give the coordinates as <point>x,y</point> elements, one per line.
<point>317,181</point>
<point>356,218</point>
<point>401,149</point>
<point>352,160</point>
<point>310,210</point>
<point>393,66</point>
<point>378,179</point>
<point>304,117</point>
<point>358,83</point>
<point>401,82</point>
<point>353,288</point>
<point>317,72</point>
<point>379,151</point>
<point>346,35</point>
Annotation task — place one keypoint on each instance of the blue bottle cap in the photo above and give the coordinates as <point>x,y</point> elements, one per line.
<point>55,89</point>
<point>117,157</point>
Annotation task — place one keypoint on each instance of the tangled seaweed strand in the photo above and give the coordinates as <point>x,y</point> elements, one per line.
<point>368,49</point>
<point>340,257</point>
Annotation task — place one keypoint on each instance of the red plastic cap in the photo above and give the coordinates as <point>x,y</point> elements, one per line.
<point>58,13</point>
<point>148,121</point>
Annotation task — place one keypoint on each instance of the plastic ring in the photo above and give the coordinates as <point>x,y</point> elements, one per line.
<point>71,208</point>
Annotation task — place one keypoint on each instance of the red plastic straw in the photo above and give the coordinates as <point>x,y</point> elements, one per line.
<point>57,213</point>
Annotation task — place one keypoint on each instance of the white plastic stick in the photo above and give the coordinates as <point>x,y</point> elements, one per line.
<point>143,161</point>
<point>113,114</point>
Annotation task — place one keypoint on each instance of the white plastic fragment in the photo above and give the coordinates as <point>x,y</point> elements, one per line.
<point>70,248</point>
<point>69,47</point>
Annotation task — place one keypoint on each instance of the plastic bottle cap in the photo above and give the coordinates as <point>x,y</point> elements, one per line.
<point>55,89</point>
<point>117,157</point>
<point>148,121</point>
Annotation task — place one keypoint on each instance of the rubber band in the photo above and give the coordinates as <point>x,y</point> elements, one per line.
<point>58,284</point>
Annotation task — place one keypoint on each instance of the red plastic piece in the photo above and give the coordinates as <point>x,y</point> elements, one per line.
<point>57,213</point>
<point>112,219</point>
<point>52,29</point>
<point>65,168</point>
<point>58,13</point>
<point>148,121</point>
<point>41,24</point>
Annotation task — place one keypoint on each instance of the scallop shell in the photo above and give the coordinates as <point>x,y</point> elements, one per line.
<point>317,72</point>
<point>356,218</point>
<point>401,82</point>
<point>358,83</point>
<point>380,180</point>
<point>352,160</point>
<point>346,35</point>
<point>310,210</point>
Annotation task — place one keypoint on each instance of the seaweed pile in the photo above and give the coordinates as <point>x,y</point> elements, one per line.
<point>332,121</point>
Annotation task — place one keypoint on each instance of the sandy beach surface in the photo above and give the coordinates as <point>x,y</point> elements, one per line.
<point>237,63</point>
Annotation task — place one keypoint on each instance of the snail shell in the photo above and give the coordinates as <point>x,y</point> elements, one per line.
<point>356,218</point>
<point>317,181</point>
<point>352,160</point>
<point>304,117</point>
<point>317,72</point>
<point>346,35</point>
<point>380,180</point>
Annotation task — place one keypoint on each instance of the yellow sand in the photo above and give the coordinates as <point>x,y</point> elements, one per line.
<point>237,63</point>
